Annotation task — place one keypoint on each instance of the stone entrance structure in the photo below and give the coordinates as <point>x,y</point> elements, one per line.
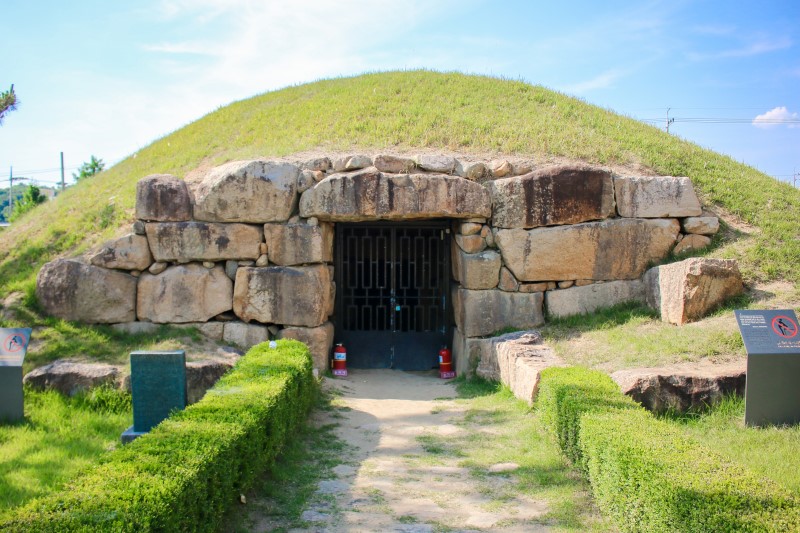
<point>428,251</point>
<point>393,293</point>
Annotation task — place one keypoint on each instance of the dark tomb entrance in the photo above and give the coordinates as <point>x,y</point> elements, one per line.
<point>393,293</point>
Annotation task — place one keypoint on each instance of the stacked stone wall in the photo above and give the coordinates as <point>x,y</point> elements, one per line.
<point>250,247</point>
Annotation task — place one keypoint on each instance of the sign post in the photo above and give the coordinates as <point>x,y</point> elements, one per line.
<point>158,386</point>
<point>13,347</point>
<point>772,341</point>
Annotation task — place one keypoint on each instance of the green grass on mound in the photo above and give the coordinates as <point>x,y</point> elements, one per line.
<point>402,111</point>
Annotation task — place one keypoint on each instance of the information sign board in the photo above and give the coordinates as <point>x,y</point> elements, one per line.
<point>13,347</point>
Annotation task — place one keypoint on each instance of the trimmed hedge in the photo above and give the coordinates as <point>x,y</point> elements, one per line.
<point>184,474</point>
<point>647,474</point>
<point>565,394</point>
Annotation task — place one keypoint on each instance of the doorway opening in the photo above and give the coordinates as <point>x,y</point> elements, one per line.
<point>393,305</point>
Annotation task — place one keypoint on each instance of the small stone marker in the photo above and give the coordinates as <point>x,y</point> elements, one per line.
<point>13,346</point>
<point>772,341</point>
<point>158,386</point>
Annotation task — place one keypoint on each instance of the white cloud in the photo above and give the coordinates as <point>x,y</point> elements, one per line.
<point>601,81</point>
<point>775,117</point>
<point>754,48</point>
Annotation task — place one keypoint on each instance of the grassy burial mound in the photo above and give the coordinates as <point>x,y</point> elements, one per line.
<point>411,111</point>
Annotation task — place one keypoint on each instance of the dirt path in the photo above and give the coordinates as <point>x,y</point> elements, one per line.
<point>393,477</point>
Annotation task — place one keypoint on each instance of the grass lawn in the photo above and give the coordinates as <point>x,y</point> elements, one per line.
<point>59,437</point>
<point>771,452</point>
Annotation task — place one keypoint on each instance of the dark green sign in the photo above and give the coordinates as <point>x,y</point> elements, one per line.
<point>772,340</point>
<point>158,387</point>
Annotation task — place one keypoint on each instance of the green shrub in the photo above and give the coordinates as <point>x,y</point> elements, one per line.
<point>565,394</point>
<point>186,471</point>
<point>650,476</point>
<point>647,474</point>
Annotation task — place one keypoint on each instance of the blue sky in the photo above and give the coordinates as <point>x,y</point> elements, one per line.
<point>108,78</point>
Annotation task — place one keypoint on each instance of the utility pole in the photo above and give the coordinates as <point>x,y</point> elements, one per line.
<point>669,120</point>
<point>62,171</point>
<point>11,180</point>
<point>796,179</point>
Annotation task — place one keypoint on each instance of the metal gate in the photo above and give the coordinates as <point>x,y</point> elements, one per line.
<point>392,294</point>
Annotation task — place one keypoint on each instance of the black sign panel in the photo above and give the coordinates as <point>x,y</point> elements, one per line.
<point>769,332</point>
<point>772,340</point>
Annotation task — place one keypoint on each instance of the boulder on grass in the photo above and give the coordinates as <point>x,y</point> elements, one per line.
<point>688,290</point>
<point>70,377</point>
<point>682,387</point>
<point>202,375</point>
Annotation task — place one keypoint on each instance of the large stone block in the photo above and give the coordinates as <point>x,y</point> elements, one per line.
<point>606,250</point>
<point>72,290</point>
<point>256,191</point>
<point>293,296</point>
<point>203,241</point>
<point>552,196</point>
<point>517,360</point>
<point>130,252</point>
<point>163,198</point>
<point>690,289</point>
<point>682,387</point>
<point>481,313</point>
<point>479,271</point>
<point>656,197</point>
<point>184,293</point>
<point>295,244</point>
<point>372,195</point>
<point>71,377</point>
<point>590,298</point>
<point>244,335</point>
<point>468,352</point>
<point>319,341</point>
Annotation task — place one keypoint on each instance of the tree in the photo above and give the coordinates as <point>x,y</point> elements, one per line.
<point>30,198</point>
<point>8,102</point>
<point>90,168</point>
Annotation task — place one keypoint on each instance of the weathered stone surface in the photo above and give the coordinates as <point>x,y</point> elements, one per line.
<point>656,197</point>
<point>467,352</point>
<point>606,250</point>
<point>589,298</point>
<point>256,191</point>
<point>138,227</point>
<point>202,375</point>
<point>211,330</point>
<point>318,164</point>
<point>517,359</point>
<point>394,164</point>
<point>508,282</point>
<point>480,313</point>
<point>293,296</point>
<point>371,195</point>
<point>319,341</point>
<point>471,244</point>
<point>230,269</point>
<point>130,252</point>
<point>357,162</point>
<point>163,198</point>
<point>136,328</point>
<point>479,271</point>
<point>690,289</point>
<point>682,387</point>
<point>500,168</point>
<point>566,284</point>
<point>535,287</point>
<point>203,241</point>
<point>470,170</point>
<point>295,244</point>
<point>305,180</point>
<point>704,225</point>
<point>184,293</point>
<point>158,267</point>
<point>552,196</point>
<point>436,163</point>
<point>262,261</point>
<point>71,377</point>
<point>244,335</point>
<point>209,264</point>
<point>691,242</point>
<point>469,228</point>
<point>72,290</point>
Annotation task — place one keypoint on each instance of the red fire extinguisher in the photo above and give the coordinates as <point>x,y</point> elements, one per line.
<point>339,361</point>
<point>446,364</point>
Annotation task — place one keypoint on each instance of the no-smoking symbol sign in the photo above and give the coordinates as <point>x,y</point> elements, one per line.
<point>14,343</point>
<point>785,326</point>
